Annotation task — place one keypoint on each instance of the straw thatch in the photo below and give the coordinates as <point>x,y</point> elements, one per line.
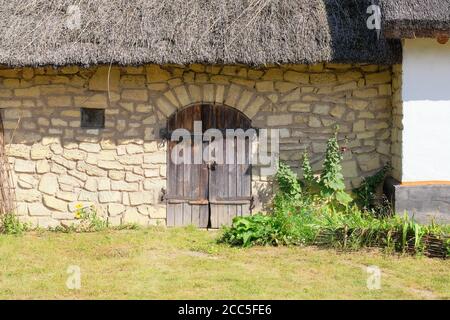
<point>254,32</point>
<point>416,18</point>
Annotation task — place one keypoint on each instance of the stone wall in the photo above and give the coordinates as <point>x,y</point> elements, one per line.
<point>397,122</point>
<point>121,169</point>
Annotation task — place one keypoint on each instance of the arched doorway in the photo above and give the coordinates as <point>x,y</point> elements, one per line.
<point>207,193</point>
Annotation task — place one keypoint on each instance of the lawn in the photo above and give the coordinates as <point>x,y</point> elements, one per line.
<point>159,263</point>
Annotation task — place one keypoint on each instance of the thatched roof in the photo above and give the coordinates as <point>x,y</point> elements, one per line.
<point>416,18</point>
<point>255,32</point>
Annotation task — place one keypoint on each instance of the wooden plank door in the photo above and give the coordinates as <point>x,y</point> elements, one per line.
<point>230,182</point>
<point>187,184</point>
<point>206,195</point>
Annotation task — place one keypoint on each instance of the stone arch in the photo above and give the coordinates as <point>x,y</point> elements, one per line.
<point>236,96</point>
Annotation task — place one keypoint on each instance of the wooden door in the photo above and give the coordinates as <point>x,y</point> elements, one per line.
<point>208,195</point>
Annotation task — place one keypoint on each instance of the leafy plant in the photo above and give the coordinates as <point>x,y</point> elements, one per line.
<point>10,224</point>
<point>332,186</point>
<point>318,211</point>
<point>366,193</point>
<point>246,231</point>
<point>288,182</point>
<point>308,175</point>
<point>89,221</point>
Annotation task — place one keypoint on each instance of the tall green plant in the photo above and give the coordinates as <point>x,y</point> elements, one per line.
<point>288,182</point>
<point>310,181</point>
<point>332,186</point>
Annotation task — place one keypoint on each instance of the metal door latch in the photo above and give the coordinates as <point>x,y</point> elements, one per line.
<point>212,165</point>
<point>163,194</point>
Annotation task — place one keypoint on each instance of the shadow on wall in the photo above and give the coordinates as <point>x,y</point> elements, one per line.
<point>264,196</point>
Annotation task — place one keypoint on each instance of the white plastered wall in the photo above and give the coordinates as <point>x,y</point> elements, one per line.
<point>426,111</point>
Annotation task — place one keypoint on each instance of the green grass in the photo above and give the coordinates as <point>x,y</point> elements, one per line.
<point>159,263</point>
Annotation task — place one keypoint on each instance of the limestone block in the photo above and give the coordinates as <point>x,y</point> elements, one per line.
<point>103,184</point>
<point>296,77</point>
<point>133,159</point>
<point>365,93</point>
<point>24,166</point>
<point>84,195</point>
<point>338,111</point>
<point>322,109</point>
<point>93,101</point>
<point>26,181</point>
<point>124,186</point>
<point>165,106</point>
<point>156,74</point>
<point>28,195</point>
<point>150,173</point>
<point>346,86</point>
<point>109,196</point>
<point>59,101</point>
<point>110,165</point>
<point>91,184</point>
<point>323,78</point>
<point>32,92</point>
<point>133,216</point>
<point>38,209</point>
<point>74,154</point>
<point>40,152</point>
<point>90,147</point>
<point>156,157</point>
<point>18,151</point>
<point>349,76</point>
<point>47,222</point>
<point>116,175</point>
<point>42,166</point>
<point>68,164</point>
<point>349,169</point>
<point>104,79</point>
<point>369,162</point>
<point>357,104</point>
<point>135,95</point>
<point>132,81</point>
<point>264,86</point>
<point>131,177</point>
<point>378,78</point>
<point>314,122</point>
<point>279,120</point>
<point>114,209</point>
<point>66,196</point>
<point>48,184</point>
<point>144,197</point>
<point>54,203</point>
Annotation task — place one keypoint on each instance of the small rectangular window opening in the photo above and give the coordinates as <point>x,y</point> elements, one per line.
<point>92,118</point>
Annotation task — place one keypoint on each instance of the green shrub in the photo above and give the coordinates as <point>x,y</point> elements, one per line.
<point>318,211</point>
<point>288,182</point>
<point>10,224</point>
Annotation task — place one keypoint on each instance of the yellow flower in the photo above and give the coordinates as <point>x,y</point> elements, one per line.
<point>77,215</point>
<point>79,206</point>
